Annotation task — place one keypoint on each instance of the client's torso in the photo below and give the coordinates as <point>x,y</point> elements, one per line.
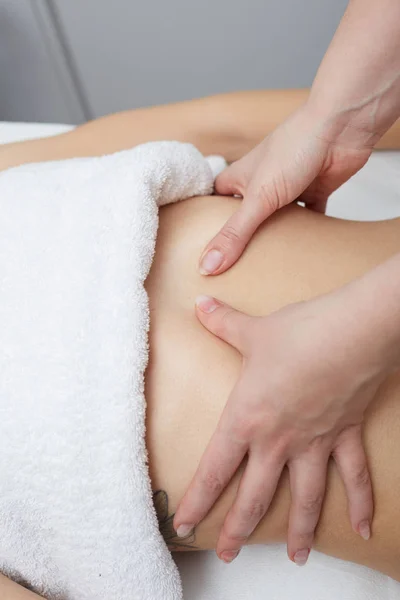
<point>296,255</point>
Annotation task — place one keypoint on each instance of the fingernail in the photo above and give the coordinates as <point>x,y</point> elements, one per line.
<point>365,530</point>
<point>228,556</point>
<point>301,557</point>
<point>184,530</point>
<point>206,303</point>
<point>211,261</point>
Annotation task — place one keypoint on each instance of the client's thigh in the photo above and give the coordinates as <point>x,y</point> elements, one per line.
<point>296,255</point>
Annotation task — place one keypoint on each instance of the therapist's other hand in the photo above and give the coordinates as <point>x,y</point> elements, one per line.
<point>305,158</point>
<point>306,381</point>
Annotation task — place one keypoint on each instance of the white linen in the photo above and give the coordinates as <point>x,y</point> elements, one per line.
<point>17,132</point>
<point>77,239</point>
<point>264,572</point>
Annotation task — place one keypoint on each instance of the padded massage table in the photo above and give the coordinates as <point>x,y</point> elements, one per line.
<point>264,572</point>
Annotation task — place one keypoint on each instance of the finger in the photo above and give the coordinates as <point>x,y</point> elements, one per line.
<point>307,486</point>
<point>319,205</point>
<point>228,182</point>
<point>225,322</point>
<point>314,202</point>
<point>228,245</point>
<point>218,464</point>
<point>256,490</point>
<point>352,463</point>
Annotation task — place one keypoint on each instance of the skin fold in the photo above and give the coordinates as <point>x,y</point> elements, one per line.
<point>295,255</point>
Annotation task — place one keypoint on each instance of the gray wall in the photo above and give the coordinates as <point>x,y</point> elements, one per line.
<point>69,60</point>
<point>35,82</point>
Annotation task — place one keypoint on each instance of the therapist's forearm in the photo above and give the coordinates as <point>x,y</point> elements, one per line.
<point>357,88</point>
<point>228,124</point>
<point>371,312</point>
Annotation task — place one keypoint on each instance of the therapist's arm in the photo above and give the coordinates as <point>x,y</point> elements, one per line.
<point>228,124</point>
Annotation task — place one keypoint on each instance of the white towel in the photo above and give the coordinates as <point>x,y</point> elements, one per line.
<point>77,240</point>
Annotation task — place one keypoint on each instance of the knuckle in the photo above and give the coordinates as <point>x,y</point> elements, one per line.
<point>213,483</point>
<point>237,538</point>
<point>361,477</point>
<point>317,443</point>
<point>282,442</point>
<point>229,234</point>
<point>254,511</point>
<point>245,428</point>
<point>268,197</point>
<point>239,440</point>
<point>347,437</point>
<point>222,322</point>
<point>226,317</point>
<point>238,174</point>
<point>311,504</point>
<point>231,531</point>
<point>240,432</point>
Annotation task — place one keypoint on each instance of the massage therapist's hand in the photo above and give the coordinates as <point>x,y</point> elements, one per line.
<point>309,372</point>
<point>304,159</point>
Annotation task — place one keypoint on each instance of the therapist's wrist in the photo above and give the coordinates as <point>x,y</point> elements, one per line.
<point>343,125</point>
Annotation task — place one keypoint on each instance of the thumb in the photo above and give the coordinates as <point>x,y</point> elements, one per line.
<point>314,201</point>
<point>228,245</point>
<point>228,182</point>
<point>231,325</point>
<point>318,206</point>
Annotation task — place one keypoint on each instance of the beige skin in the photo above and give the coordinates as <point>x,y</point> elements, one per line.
<point>12,591</point>
<point>186,389</point>
<point>191,373</point>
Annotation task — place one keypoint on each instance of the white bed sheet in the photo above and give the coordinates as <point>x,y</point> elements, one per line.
<point>264,572</point>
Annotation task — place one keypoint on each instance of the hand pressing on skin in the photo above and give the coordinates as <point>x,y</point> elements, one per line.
<point>310,369</point>
<point>304,159</point>
<point>309,372</point>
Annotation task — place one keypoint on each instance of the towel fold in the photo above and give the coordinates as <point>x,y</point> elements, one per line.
<point>77,240</point>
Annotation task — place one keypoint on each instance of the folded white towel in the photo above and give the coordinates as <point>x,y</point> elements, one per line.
<point>77,240</point>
